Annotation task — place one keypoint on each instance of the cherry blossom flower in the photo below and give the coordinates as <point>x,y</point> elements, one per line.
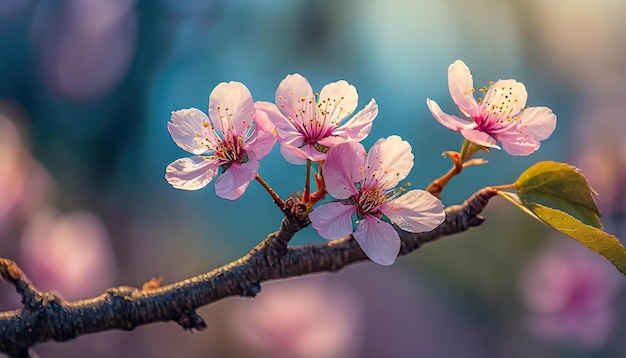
<point>571,295</point>
<point>500,116</point>
<point>70,254</point>
<point>308,124</point>
<point>366,184</point>
<point>235,136</point>
<point>307,318</point>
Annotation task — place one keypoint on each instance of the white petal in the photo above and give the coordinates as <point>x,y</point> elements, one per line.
<point>388,162</point>
<point>338,100</point>
<point>415,211</point>
<point>187,128</point>
<point>333,220</point>
<point>235,180</point>
<point>231,107</point>
<point>380,242</point>
<point>461,86</point>
<point>343,167</point>
<point>191,173</point>
<point>539,122</point>
<point>505,98</point>
<point>447,120</point>
<point>290,93</point>
<point>359,126</point>
<point>478,137</point>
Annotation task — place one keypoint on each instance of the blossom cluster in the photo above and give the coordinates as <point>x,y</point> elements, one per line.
<point>323,128</point>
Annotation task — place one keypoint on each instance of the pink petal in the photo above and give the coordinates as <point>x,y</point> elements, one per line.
<point>447,120</point>
<point>519,145</point>
<point>262,140</point>
<point>359,126</point>
<point>415,211</point>
<point>539,122</point>
<point>191,173</point>
<point>333,220</point>
<point>312,153</point>
<point>505,98</point>
<point>461,86</point>
<point>235,180</point>
<point>188,131</point>
<point>285,131</point>
<point>388,161</point>
<point>380,242</point>
<point>344,166</point>
<point>331,141</point>
<point>338,100</point>
<point>290,93</point>
<point>478,137</point>
<point>292,154</point>
<point>231,107</point>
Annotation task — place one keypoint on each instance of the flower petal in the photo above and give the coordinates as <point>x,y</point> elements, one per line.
<point>359,126</point>
<point>447,120</point>
<point>285,131</point>
<point>519,145</point>
<point>539,122</point>
<point>333,220</point>
<point>378,239</point>
<point>461,86</point>
<point>415,211</point>
<point>388,161</point>
<point>478,137</point>
<point>187,128</point>
<point>505,98</point>
<point>262,140</point>
<point>235,180</point>
<point>343,167</point>
<point>191,173</point>
<point>231,107</point>
<point>290,93</point>
<point>337,101</point>
<point>292,154</point>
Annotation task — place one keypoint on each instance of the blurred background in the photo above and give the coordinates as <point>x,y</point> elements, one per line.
<point>86,91</point>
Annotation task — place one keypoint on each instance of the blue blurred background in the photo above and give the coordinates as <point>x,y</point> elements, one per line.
<point>86,91</point>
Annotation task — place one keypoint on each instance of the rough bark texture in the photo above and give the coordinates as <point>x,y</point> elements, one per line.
<point>45,316</point>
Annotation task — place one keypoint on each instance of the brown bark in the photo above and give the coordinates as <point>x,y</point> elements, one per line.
<point>45,316</point>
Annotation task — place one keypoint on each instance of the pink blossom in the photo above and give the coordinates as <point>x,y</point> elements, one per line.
<point>69,254</point>
<point>366,184</point>
<point>308,124</point>
<point>235,136</point>
<point>309,317</point>
<point>501,116</point>
<point>570,293</point>
<point>25,185</point>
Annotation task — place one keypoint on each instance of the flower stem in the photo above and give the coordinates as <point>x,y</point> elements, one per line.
<point>307,183</point>
<point>277,200</point>
<point>459,161</point>
<point>504,187</point>
<point>436,187</point>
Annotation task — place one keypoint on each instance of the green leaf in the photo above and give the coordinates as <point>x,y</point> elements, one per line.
<point>595,239</point>
<point>560,186</point>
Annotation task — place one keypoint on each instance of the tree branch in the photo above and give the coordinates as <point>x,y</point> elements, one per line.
<point>45,316</point>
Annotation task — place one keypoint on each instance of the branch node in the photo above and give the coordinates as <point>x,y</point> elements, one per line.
<point>190,320</point>
<point>252,289</point>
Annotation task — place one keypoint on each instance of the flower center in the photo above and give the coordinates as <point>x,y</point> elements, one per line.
<point>370,199</point>
<point>230,150</point>
<point>496,109</point>
<point>316,118</point>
